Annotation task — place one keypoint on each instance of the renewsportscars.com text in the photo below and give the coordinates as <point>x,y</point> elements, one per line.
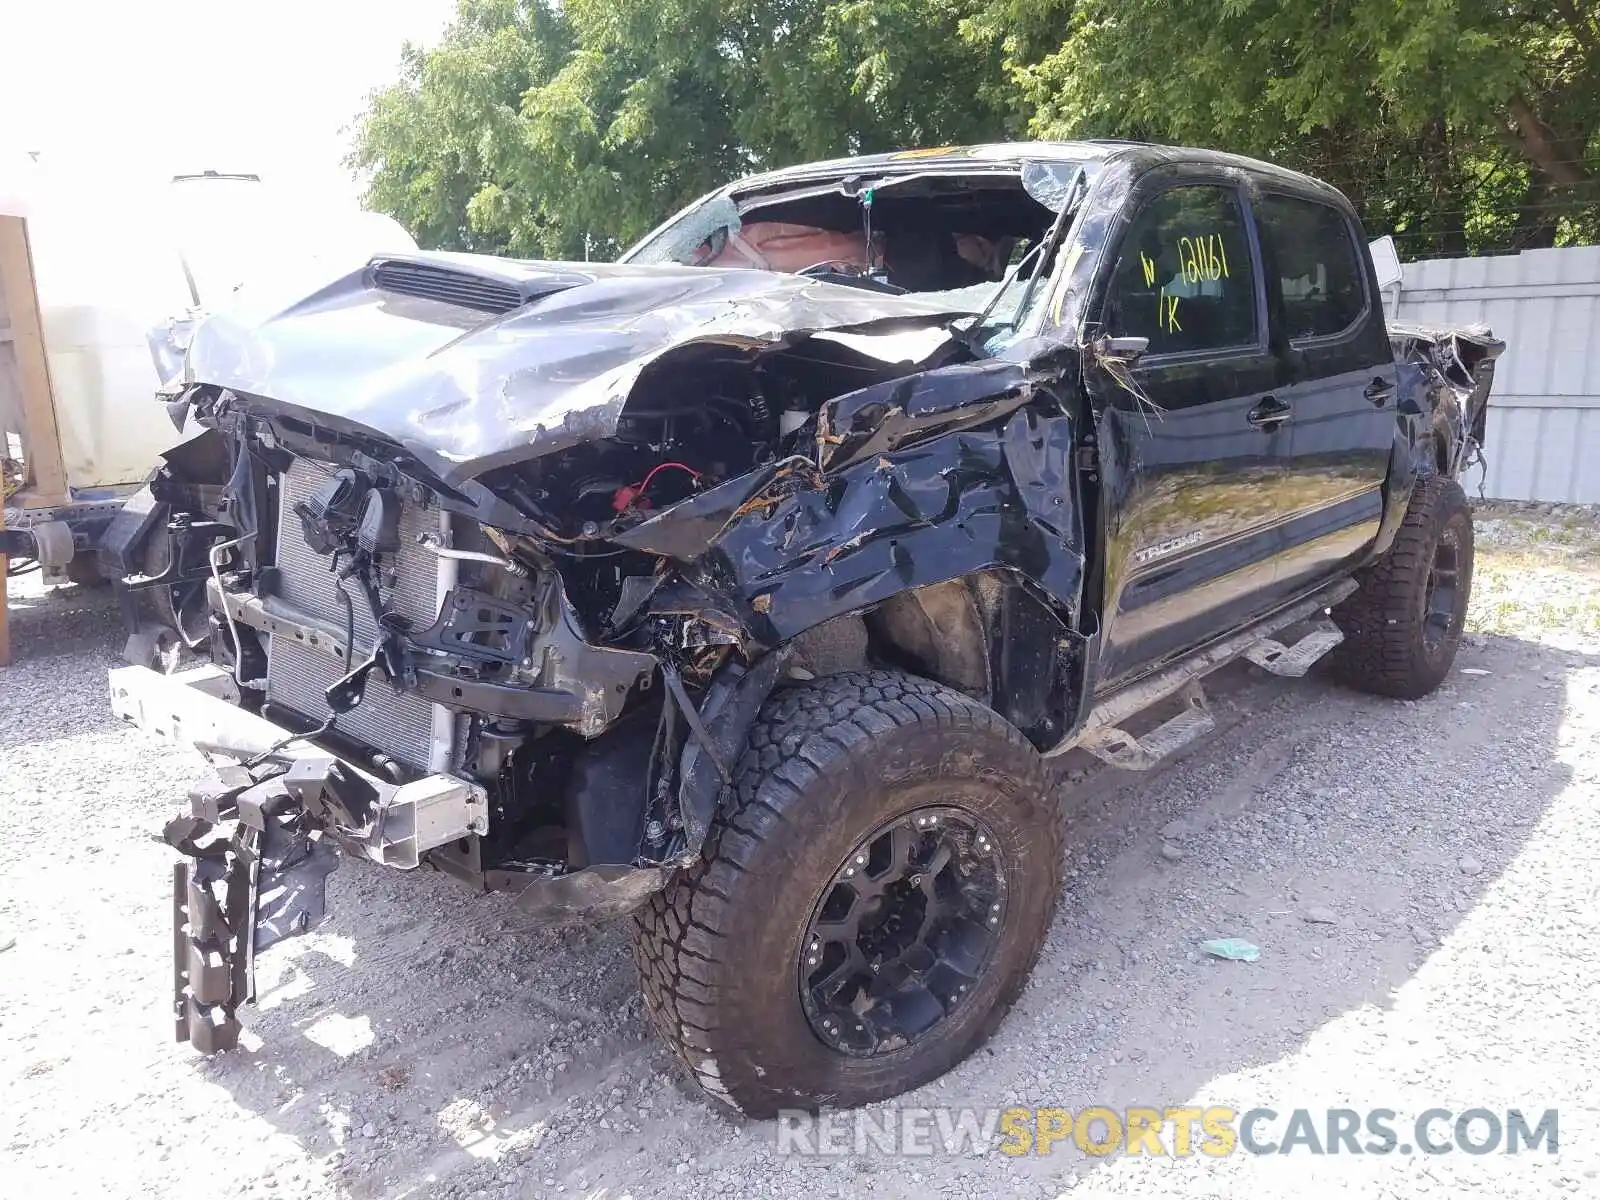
<point>1175,1132</point>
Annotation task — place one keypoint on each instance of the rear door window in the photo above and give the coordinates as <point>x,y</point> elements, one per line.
<point>1318,264</point>
<point>1183,276</point>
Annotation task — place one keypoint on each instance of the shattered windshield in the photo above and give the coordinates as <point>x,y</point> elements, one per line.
<point>1060,186</point>
<point>696,236</point>
<point>950,235</point>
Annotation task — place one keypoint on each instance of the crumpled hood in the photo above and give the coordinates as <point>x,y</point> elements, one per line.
<point>397,348</point>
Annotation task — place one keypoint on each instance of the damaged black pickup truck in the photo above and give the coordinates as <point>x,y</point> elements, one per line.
<point>748,584</point>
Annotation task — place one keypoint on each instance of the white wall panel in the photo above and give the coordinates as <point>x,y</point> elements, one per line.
<point>1544,412</point>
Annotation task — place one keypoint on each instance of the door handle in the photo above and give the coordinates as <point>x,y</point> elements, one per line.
<point>1269,414</point>
<point>1380,391</point>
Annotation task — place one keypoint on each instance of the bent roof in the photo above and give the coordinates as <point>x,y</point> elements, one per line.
<point>1002,154</point>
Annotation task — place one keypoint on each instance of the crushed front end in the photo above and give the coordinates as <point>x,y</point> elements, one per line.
<point>394,679</point>
<point>495,565</point>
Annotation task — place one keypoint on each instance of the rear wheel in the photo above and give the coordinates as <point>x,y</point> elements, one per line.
<point>1403,626</point>
<point>869,908</point>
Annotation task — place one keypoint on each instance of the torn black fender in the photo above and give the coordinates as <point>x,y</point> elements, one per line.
<point>729,710</point>
<point>935,477</point>
<point>953,474</point>
<point>1441,411</point>
<point>1450,372</point>
<point>160,571</point>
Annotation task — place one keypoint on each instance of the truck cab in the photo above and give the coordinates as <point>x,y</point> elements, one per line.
<point>1255,439</point>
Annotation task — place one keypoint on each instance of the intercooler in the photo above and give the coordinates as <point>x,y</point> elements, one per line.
<point>298,675</point>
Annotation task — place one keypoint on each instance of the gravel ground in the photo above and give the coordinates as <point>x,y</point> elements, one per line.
<point>422,1043</point>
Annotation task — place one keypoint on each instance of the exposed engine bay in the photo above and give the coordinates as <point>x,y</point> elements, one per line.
<point>357,600</point>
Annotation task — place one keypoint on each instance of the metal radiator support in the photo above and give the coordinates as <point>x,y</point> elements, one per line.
<point>402,725</point>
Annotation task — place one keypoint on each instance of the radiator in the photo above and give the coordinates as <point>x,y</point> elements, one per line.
<point>297,676</point>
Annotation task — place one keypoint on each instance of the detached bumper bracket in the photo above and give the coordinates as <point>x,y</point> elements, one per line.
<point>234,895</point>
<point>232,898</point>
<point>212,915</point>
<point>394,824</point>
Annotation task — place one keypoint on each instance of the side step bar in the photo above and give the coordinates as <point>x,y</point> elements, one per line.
<point>1121,749</point>
<point>1102,735</point>
<point>1294,661</point>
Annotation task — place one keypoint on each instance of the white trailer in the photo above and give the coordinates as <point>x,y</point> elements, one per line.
<point>100,285</point>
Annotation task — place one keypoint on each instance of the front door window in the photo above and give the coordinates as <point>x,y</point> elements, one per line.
<point>1183,277</point>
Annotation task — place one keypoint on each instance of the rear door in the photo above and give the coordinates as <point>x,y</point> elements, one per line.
<point>1194,451</point>
<point>1339,381</point>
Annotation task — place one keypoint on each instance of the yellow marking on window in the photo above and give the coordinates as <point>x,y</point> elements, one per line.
<point>1167,312</point>
<point>1203,258</point>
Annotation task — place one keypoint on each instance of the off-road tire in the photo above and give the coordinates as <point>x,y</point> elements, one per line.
<point>828,762</point>
<point>1386,650</point>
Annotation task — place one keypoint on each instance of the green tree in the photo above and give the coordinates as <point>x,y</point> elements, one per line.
<point>546,128</point>
<point>441,146</point>
<point>1460,123</point>
<point>559,127</point>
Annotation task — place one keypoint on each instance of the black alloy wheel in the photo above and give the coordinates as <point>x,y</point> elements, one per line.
<point>1440,601</point>
<point>903,932</point>
<point>1403,625</point>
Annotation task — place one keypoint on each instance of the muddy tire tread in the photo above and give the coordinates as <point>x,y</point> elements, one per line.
<point>804,733</point>
<point>1381,620</point>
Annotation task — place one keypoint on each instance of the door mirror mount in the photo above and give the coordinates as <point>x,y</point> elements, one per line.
<point>1128,349</point>
<point>1386,262</point>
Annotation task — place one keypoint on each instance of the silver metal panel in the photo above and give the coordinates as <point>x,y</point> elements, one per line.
<point>297,676</point>
<point>308,579</point>
<point>1544,412</point>
<point>399,725</point>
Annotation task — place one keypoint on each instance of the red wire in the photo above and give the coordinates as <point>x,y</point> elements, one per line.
<point>634,492</point>
<point>645,482</point>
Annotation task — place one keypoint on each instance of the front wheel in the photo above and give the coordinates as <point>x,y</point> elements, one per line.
<point>1403,626</point>
<point>869,908</point>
